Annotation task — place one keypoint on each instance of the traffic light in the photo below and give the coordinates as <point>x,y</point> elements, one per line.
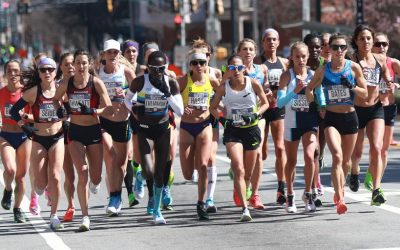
<point>219,7</point>
<point>194,5</point>
<point>175,6</point>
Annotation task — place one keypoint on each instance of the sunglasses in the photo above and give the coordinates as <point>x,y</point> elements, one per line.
<point>45,70</point>
<point>336,47</point>
<point>381,44</point>
<point>158,69</point>
<point>195,63</point>
<point>234,67</point>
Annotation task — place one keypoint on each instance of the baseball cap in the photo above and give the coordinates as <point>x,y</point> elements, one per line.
<point>112,44</point>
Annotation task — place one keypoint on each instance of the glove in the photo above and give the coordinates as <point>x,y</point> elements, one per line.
<point>60,112</point>
<point>248,119</point>
<point>164,89</point>
<point>85,110</point>
<point>67,107</point>
<point>345,82</point>
<point>225,122</point>
<point>29,131</point>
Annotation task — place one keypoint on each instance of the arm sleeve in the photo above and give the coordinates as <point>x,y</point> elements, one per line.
<point>128,99</point>
<point>176,103</point>
<point>14,112</point>
<point>284,98</point>
<point>320,96</point>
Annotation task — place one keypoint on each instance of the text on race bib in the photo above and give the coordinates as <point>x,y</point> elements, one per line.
<point>300,103</point>
<point>383,87</point>
<point>274,76</point>
<point>7,109</point>
<point>198,101</point>
<point>237,115</point>
<point>154,103</point>
<point>47,113</point>
<point>76,98</point>
<point>338,94</point>
<point>372,76</point>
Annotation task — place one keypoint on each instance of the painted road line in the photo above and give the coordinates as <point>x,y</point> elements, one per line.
<point>40,225</point>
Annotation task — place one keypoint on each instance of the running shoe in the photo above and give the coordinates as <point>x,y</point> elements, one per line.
<point>309,205</point>
<point>378,197</point>
<point>236,198</point>
<point>132,200</point>
<point>167,208</point>
<point>230,174</point>
<point>320,189</point>
<point>202,211</point>
<point>47,195</point>
<point>290,204</point>
<point>211,208</point>
<point>249,192</point>
<point>19,216</point>
<point>138,187</point>
<point>69,214</point>
<point>158,218</point>
<point>114,206</point>
<point>85,226</point>
<point>341,207</point>
<point>55,223</point>
<point>245,215</point>
<point>335,198</point>
<point>150,206</point>
<point>166,196</point>
<point>34,207</point>
<point>317,201</point>
<point>255,202</point>
<point>6,200</point>
<point>94,189</point>
<point>280,197</point>
<point>368,181</point>
<point>354,182</point>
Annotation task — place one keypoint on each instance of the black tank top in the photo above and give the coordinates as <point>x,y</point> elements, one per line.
<point>275,71</point>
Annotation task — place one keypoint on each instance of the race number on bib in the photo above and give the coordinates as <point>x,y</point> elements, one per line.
<point>7,109</point>
<point>47,113</point>
<point>338,94</point>
<point>198,101</point>
<point>154,103</point>
<point>300,104</point>
<point>115,91</point>
<point>75,99</point>
<point>237,115</point>
<point>383,87</point>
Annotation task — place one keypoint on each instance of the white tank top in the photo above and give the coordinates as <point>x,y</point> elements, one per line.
<point>155,103</point>
<point>115,83</point>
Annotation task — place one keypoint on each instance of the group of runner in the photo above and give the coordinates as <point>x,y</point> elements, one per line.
<point>81,113</point>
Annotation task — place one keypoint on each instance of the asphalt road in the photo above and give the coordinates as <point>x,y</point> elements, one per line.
<point>362,227</point>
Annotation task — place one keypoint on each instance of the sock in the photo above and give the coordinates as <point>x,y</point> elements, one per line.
<point>281,186</point>
<point>157,199</point>
<point>167,172</point>
<point>212,181</point>
<point>149,183</point>
<point>128,179</point>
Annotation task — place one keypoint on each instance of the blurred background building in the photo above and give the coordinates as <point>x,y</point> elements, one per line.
<point>55,26</point>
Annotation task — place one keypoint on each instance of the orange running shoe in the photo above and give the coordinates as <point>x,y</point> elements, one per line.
<point>335,199</point>
<point>341,207</point>
<point>69,215</point>
<point>236,198</point>
<point>255,202</point>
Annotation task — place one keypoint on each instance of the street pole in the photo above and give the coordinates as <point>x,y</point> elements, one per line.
<point>131,17</point>
<point>183,11</point>
<point>306,15</point>
<point>256,35</point>
<point>234,25</point>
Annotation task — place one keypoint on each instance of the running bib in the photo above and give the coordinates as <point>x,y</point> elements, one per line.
<point>338,94</point>
<point>383,87</point>
<point>237,116</point>
<point>300,104</point>
<point>154,103</point>
<point>115,91</point>
<point>198,101</point>
<point>7,109</point>
<point>47,113</point>
<point>76,98</point>
<point>372,76</point>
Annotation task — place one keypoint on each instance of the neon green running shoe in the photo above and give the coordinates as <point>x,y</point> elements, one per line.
<point>248,193</point>
<point>368,181</point>
<point>132,200</point>
<point>230,174</point>
<point>378,197</point>
<point>136,169</point>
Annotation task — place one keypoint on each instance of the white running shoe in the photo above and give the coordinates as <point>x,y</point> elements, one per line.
<point>245,215</point>
<point>309,204</point>
<point>195,176</point>
<point>291,205</point>
<point>85,226</point>
<point>55,223</point>
<point>94,189</point>
<point>158,218</point>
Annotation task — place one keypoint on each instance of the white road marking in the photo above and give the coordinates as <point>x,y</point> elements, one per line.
<point>40,225</point>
